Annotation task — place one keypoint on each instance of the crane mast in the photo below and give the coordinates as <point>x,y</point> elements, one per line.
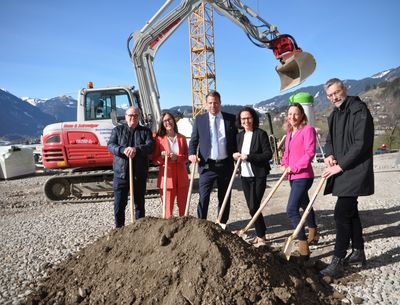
<point>202,56</point>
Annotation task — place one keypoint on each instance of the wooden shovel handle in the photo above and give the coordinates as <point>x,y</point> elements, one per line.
<point>165,185</point>
<point>308,209</point>
<point>131,190</point>
<point>228,191</point>
<point>189,196</point>
<point>263,204</point>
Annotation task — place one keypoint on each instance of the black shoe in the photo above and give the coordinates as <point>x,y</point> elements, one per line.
<point>356,257</point>
<point>335,269</point>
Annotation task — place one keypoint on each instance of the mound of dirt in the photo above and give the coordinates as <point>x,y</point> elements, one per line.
<point>179,261</point>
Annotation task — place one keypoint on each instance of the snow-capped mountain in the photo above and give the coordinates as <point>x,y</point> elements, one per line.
<point>33,101</point>
<point>62,108</point>
<point>19,119</point>
<point>355,87</point>
<point>26,117</point>
<point>381,74</point>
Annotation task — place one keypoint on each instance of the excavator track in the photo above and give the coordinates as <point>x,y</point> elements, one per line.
<point>85,186</point>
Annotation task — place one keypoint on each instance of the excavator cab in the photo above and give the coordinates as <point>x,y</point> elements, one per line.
<point>295,65</point>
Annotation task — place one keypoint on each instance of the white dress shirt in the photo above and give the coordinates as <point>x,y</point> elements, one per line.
<point>245,167</point>
<point>173,145</point>
<point>222,153</point>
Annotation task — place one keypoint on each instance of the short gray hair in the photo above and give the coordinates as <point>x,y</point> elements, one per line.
<point>134,108</point>
<point>333,81</point>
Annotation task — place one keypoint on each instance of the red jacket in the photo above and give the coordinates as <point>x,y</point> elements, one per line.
<point>175,168</point>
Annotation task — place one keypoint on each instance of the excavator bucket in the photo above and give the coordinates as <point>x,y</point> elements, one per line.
<point>295,69</point>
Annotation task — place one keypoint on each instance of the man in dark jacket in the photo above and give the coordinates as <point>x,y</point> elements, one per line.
<point>214,137</point>
<point>130,140</point>
<point>349,161</point>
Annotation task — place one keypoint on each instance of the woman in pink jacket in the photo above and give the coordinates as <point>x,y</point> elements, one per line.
<point>172,143</point>
<point>299,152</point>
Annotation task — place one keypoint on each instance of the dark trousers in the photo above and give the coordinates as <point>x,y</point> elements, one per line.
<point>220,172</point>
<point>253,189</point>
<point>121,192</point>
<point>298,198</point>
<point>348,226</point>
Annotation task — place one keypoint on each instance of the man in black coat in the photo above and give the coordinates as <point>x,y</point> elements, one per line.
<point>130,140</point>
<point>214,136</point>
<point>349,161</point>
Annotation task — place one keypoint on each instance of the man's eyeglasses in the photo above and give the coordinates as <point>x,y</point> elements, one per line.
<point>336,93</point>
<point>132,115</point>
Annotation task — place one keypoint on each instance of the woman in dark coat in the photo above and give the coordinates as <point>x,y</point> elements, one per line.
<point>254,153</point>
<point>349,160</point>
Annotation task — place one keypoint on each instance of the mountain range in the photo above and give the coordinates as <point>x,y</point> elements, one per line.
<point>321,103</point>
<point>24,118</point>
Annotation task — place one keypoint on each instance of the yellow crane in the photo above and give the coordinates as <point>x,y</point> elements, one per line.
<point>202,57</point>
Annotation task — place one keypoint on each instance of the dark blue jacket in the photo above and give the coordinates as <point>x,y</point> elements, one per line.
<point>201,137</point>
<point>141,138</point>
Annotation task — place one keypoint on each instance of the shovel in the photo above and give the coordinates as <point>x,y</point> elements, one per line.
<point>189,197</point>
<point>263,204</point>
<point>165,185</point>
<point>131,196</point>
<point>228,191</point>
<point>288,247</point>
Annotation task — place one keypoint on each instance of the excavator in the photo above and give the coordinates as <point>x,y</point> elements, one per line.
<point>81,147</point>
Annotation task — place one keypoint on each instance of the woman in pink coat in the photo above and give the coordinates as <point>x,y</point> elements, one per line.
<point>172,143</point>
<point>299,152</point>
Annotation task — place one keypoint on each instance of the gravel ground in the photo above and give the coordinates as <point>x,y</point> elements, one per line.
<point>35,236</point>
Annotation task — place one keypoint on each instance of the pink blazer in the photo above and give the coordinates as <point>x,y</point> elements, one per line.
<point>175,169</point>
<point>299,152</point>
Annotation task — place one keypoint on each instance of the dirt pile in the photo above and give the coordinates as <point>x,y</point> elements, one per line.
<point>179,261</point>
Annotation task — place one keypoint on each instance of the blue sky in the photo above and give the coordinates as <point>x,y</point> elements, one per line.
<point>51,48</point>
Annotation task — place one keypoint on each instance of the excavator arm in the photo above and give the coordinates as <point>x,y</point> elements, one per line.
<point>293,68</point>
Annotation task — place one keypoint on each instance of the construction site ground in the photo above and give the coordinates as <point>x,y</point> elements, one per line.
<point>70,253</point>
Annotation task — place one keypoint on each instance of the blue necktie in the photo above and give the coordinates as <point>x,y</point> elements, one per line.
<point>214,140</point>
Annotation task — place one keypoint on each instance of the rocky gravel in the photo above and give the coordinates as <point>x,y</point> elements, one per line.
<point>36,236</point>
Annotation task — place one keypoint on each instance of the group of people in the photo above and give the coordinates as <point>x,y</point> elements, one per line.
<point>216,143</point>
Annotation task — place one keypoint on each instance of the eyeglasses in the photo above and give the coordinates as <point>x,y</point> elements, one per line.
<point>132,115</point>
<point>246,119</point>
<point>168,120</point>
<point>336,93</point>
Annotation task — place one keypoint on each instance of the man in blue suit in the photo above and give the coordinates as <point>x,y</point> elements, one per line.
<point>214,137</point>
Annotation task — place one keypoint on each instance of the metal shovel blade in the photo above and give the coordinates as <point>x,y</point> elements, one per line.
<point>288,247</point>
<point>295,70</point>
